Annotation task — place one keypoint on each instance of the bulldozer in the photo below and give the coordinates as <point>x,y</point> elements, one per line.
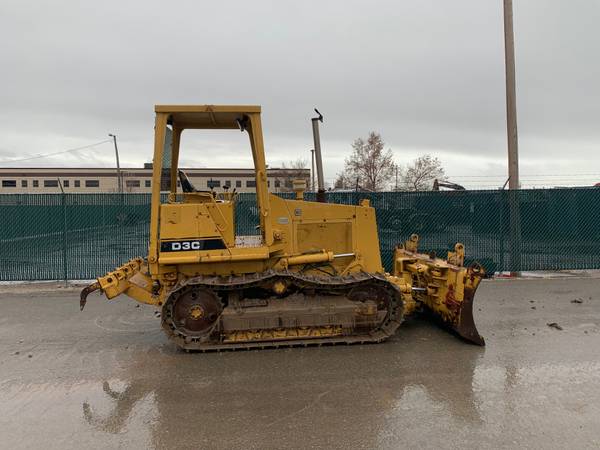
<point>313,276</point>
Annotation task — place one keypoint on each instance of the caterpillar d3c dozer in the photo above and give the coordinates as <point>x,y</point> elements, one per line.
<point>313,276</point>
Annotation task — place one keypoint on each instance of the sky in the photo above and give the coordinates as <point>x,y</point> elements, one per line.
<point>428,75</point>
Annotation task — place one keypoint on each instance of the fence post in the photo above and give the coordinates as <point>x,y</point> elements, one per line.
<point>515,231</point>
<point>64,236</point>
<point>502,236</point>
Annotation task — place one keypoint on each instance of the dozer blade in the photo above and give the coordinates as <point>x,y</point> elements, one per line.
<point>443,287</point>
<point>453,310</point>
<point>465,327</point>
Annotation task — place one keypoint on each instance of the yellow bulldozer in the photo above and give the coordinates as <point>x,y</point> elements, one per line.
<point>314,276</point>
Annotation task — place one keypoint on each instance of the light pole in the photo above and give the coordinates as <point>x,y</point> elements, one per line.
<point>119,178</point>
<point>512,138</point>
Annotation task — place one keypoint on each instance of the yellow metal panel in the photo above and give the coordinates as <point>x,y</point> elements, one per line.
<point>205,108</point>
<point>197,220</point>
<point>206,116</point>
<point>175,158</point>
<point>360,234</point>
<point>282,224</point>
<point>333,236</point>
<point>222,215</point>
<point>367,239</point>
<point>159,140</point>
<point>313,211</point>
<point>260,168</point>
<point>185,220</point>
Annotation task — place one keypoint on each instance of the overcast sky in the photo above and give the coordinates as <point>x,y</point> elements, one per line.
<point>427,74</point>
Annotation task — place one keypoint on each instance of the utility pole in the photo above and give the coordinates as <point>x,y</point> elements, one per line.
<point>511,97</point>
<point>119,177</point>
<point>512,138</point>
<point>312,173</point>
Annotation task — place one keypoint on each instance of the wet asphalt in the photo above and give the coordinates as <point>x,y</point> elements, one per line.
<point>107,378</point>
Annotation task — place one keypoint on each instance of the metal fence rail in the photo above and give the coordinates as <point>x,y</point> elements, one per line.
<point>80,236</point>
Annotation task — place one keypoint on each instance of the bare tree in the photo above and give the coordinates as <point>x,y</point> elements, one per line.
<point>370,166</point>
<point>299,164</point>
<point>342,182</point>
<point>291,171</point>
<point>421,173</point>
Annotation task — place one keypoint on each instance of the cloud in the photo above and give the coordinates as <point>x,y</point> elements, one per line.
<point>428,75</point>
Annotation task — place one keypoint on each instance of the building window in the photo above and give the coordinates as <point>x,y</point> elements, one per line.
<point>148,183</point>
<point>92,183</point>
<point>66,183</point>
<point>77,183</point>
<point>289,184</point>
<point>277,183</point>
<point>251,183</point>
<point>23,183</point>
<point>227,184</point>
<point>36,183</point>
<point>9,183</point>
<point>132,183</point>
<point>50,183</point>
<point>213,183</point>
<point>238,183</point>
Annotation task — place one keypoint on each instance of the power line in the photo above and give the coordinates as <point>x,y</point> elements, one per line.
<point>536,180</point>
<point>530,175</point>
<point>57,153</point>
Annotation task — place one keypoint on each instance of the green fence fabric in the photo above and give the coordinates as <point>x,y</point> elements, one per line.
<point>82,236</point>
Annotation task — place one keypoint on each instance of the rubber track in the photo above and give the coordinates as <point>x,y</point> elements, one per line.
<point>233,282</point>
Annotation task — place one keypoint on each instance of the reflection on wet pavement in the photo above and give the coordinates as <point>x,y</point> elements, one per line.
<point>293,395</point>
<point>109,379</point>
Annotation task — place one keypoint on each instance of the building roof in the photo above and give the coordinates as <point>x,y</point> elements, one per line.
<point>141,171</point>
<point>140,168</point>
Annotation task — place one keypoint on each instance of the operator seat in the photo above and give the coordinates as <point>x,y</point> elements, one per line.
<point>186,184</point>
<point>188,188</point>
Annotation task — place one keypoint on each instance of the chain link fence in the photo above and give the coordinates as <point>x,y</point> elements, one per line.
<point>82,236</point>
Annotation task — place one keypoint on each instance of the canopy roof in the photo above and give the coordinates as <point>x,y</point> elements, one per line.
<point>206,116</point>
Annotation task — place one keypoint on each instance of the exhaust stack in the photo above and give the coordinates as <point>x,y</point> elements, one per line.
<point>318,158</point>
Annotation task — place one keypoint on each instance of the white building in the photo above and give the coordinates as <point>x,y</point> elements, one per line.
<point>89,180</point>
